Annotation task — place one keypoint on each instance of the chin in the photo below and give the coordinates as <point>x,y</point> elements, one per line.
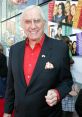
<point>33,37</point>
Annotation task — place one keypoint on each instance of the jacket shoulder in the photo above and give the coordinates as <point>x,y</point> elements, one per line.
<point>57,43</point>
<point>18,45</point>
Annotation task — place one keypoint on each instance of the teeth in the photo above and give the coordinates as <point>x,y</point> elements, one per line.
<point>33,32</point>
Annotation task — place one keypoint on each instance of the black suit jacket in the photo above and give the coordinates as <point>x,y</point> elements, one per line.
<point>29,101</point>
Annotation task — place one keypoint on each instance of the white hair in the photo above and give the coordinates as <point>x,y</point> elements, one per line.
<point>33,6</point>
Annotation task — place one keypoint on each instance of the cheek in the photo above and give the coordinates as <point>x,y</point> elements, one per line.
<point>26,28</point>
<point>42,25</point>
<point>42,29</point>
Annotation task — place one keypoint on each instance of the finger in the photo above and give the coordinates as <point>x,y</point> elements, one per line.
<point>51,102</point>
<point>52,92</point>
<point>51,96</point>
<point>49,92</point>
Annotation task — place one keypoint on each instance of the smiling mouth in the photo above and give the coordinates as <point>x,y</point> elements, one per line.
<point>34,32</point>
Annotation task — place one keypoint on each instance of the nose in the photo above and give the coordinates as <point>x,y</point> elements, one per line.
<point>33,24</point>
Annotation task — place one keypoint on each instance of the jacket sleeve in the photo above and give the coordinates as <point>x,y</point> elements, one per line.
<point>65,77</point>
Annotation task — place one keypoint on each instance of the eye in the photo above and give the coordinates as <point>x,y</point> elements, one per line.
<point>37,21</point>
<point>28,21</point>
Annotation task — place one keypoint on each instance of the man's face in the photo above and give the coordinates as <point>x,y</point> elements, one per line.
<point>33,24</point>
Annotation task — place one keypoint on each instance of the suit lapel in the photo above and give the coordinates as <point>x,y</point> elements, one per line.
<point>21,62</point>
<point>43,57</point>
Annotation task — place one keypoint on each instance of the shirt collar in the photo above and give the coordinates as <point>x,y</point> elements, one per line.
<point>40,42</point>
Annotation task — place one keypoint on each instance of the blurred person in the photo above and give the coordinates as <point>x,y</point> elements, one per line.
<point>52,33</point>
<point>38,71</point>
<point>74,53</point>
<point>60,15</point>
<point>67,40</point>
<point>78,104</point>
<point>58,36</point>
<point>67,7</point>
<point>55,10</point>
<point>3,78</point>
<point>3,72</point>
<point>68,103</point>
<point>70,45</point>
<point>68,18</point>
<point>73,10</point>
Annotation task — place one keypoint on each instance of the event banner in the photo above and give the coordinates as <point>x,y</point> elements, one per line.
<point>65,19</point>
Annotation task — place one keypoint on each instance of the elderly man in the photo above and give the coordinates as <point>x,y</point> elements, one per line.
<point>39,71</point>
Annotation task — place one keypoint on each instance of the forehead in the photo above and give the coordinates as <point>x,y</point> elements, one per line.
<point>32,14</point>
<point>67,5</point>
<point>72,7</point>
<point>60,6</point>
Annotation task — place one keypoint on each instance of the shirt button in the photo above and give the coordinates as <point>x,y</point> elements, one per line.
<point>28,77</point>
<point>30,65</point>
<point>32,54</point>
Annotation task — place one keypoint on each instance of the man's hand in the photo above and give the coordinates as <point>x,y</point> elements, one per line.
<point>51,97</point>
<point>6,115</point>
<point>73,93</point>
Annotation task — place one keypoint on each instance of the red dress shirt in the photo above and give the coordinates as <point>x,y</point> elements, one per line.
<point>30,58</point>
